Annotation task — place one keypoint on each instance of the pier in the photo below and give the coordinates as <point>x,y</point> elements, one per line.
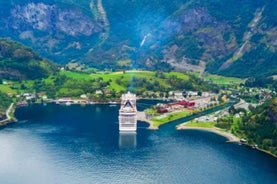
<point>8,118</point>
<point>141,116</point>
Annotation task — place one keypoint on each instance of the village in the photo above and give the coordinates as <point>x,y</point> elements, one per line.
<point>190,100</point>
<point>173,101</point>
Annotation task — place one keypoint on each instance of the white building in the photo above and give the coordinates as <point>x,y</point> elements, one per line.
<point>205,94</point>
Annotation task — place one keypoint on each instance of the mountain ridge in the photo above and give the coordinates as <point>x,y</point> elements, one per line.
<point>235,38</point>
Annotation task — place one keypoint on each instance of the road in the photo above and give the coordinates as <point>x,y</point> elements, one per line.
<point>8,111</point>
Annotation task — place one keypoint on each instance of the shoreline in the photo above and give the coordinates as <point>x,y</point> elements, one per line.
<point>151,125</point>
<point>141,116</point>
<point>231,137</point>
<point>262,150</point>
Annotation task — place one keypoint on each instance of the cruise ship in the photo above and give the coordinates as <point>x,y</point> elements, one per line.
<point>128,113</point>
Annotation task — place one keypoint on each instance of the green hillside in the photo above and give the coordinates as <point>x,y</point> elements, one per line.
<point>18,62</point>
<point>107,86</point>
<point>260,126</point>
<point>112,84</point>
<point>5,102</point>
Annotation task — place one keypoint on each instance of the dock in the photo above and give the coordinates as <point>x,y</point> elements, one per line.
<point>141,116</point>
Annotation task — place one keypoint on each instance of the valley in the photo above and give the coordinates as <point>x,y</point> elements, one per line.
<point>201,94</point>
<point>197,67</point>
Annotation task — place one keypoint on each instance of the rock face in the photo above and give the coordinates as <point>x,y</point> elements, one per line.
<point>198,36</point>
<point>44,17</point>
<point>54,30</point>
<point>228,37</point>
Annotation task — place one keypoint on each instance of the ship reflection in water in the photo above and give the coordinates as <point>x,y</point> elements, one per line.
<point>127,140</point>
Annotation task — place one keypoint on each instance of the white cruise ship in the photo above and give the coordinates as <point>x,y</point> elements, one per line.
<point>128,113</point>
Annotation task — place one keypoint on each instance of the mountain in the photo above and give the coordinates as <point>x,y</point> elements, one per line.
<point>18,62</point>
<point>228,37</point>
<point>60,30</point>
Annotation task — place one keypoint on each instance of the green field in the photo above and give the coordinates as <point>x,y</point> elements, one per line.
<point>113,84</point>
<point>170,117</point>
<point>125,77</point>
<point>200,124</point>
<point>6,89</point>
<point>76,75</point>
<point>221,80</point>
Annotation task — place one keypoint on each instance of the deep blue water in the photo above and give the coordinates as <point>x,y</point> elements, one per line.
<point>81,144</point>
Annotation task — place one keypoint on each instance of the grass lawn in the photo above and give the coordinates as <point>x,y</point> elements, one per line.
<point>76,75</point>
<point>200,124</point>
<point>178,75</point>
<point>235,127</point>
<point>171,117</point>
<point>6,89</point>
<point>152,112</point>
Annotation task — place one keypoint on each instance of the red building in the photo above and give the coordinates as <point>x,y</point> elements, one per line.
<point>186,103</point>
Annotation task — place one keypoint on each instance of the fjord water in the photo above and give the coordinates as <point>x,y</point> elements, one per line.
<point>81,144</point>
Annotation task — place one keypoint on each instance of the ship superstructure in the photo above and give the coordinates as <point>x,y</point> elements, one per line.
<point>128,113</point>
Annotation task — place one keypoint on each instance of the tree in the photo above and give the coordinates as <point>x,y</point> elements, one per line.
<point>23,87</point>
<point>199,93</point>
<point>118,81</point>
<point>113,93</point>
<point>251,108</point>
<point>232,110</point>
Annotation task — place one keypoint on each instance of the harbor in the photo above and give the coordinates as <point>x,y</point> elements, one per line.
<point>83,144</point>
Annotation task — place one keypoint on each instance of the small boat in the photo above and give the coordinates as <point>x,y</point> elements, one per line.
<point>255,146</point>
<point>243,141</point>
<point>112,104</point>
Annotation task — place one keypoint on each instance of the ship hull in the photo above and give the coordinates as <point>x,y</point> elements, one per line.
<point>123,129</point>
<point>127,122</point>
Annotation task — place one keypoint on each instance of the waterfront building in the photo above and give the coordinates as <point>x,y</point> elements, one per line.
<point>128,113</point>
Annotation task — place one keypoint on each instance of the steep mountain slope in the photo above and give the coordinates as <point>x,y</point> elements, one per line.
<point>18,62</point>
<point>230,37</point>
<point>61,30</point>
